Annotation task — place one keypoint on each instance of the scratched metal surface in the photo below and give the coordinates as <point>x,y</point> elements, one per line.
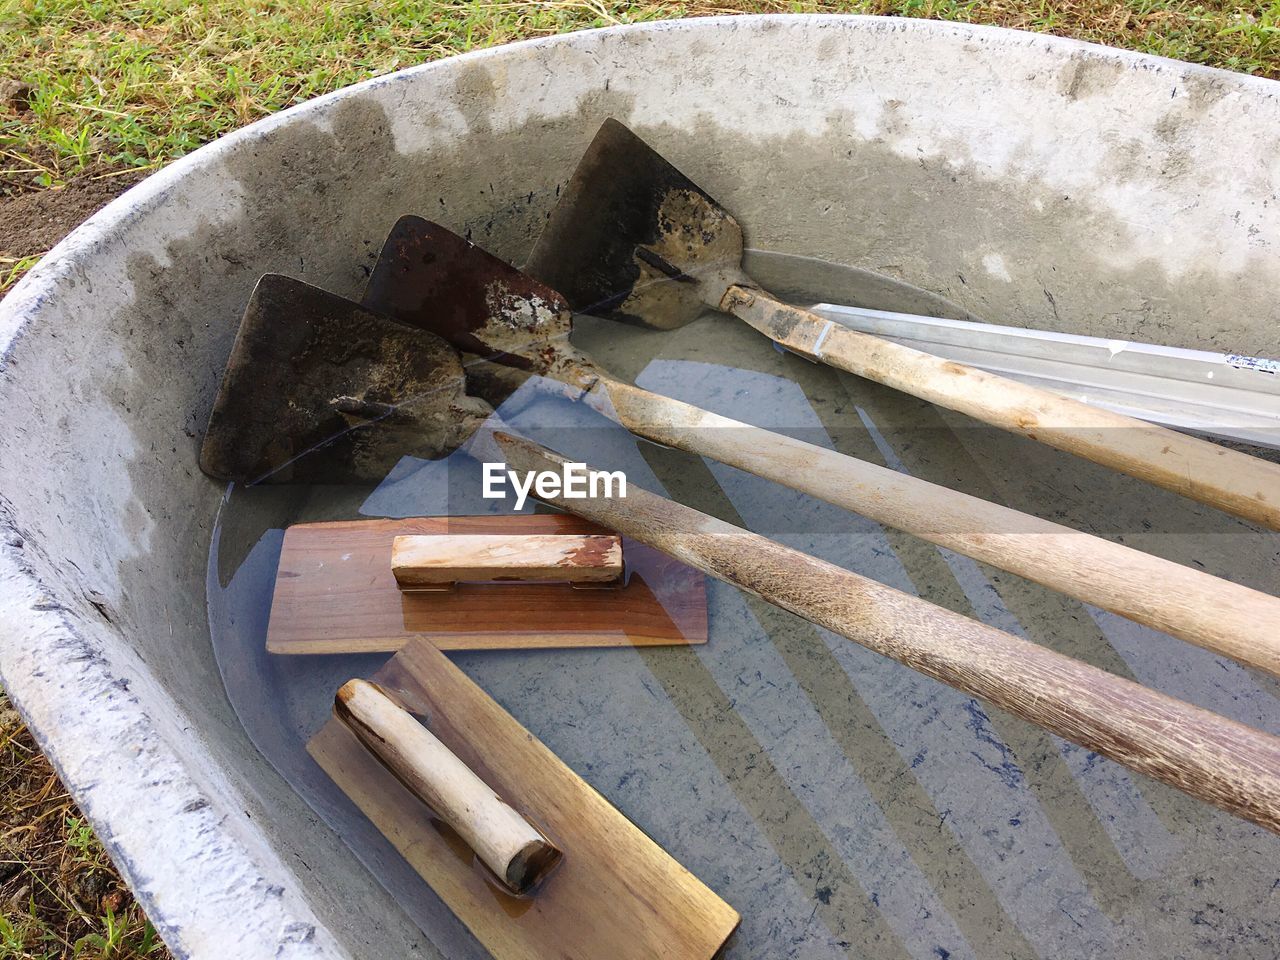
<point>845,805</point>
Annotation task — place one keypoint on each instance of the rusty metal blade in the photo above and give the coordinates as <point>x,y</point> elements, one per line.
<point>633,238</point>
<point>320,389</point>
<point>430,277</point>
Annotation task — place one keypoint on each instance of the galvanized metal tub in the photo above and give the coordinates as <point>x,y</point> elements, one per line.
<point>1022,178</point>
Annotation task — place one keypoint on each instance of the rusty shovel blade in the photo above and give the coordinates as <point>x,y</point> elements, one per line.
<point>432,278</point>
<point>320,389</point>
<point>634,239</point>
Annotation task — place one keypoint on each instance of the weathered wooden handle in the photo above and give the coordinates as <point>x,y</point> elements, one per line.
<point>1197,607</point>
<point>517,852</point>
<point>1201,753</point>
<point>434,559</point>
<point>1227,479</point>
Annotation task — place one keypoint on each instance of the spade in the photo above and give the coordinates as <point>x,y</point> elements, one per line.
<point>635,239</point>
<point>318,389</point>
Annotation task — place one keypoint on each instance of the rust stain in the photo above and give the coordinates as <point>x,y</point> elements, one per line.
<point>593,552</point>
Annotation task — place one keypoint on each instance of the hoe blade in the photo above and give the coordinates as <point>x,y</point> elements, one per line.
<point>319,389</point>
<point>635,239</point>
<point>430,277</point>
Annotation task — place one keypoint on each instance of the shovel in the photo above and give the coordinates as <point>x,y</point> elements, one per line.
<point>1207,756</point>
<point>429,276</point>
<point>633,238</point>
<point>317,387</point>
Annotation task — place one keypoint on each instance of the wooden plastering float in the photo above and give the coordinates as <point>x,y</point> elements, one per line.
<point>616,894</point>
<point>335,593</point>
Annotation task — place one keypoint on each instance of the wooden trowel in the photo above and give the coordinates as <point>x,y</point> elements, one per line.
<point>614,894</point>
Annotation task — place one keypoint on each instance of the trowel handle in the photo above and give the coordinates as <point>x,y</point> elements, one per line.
<point>1227,479</point>
<point>1201,753</point>
<point>517,852</point>
<point>1194,606</point>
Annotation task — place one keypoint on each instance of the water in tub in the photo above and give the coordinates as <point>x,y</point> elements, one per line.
<point>843,804</point>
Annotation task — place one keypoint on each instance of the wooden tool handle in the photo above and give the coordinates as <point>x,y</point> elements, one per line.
<point>1196,607</point>
<point>433,559</point>
<point>517,853</point>
<point>1205,755</point>
<point>1227,479</point>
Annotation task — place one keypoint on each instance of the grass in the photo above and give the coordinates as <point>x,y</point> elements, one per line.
<point>94,90</point>
<point>100,88</point>
<point>60,894</point>
<point>11,268</point>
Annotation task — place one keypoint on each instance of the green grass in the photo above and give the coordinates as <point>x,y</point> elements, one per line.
<point>11,268</point>
<point>137,84</point>
<point>59,892</point>
<point>131,85</point>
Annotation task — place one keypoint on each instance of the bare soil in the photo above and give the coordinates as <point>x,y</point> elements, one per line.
<point>32,222</point>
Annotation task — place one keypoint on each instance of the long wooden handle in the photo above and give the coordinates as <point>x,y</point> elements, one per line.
<point>517,852</point>
<point>1227,479</point>
<point>1205,755</point>
<point>1197,607</point>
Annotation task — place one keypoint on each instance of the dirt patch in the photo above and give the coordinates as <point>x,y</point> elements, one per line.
<point>31,223</point>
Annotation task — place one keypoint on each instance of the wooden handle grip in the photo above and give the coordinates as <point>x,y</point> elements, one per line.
<point>433,559</point>
<point>1205,755</point>
<point>1197,607</point>
<point>517,852</point>
<point>1227,479</point>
